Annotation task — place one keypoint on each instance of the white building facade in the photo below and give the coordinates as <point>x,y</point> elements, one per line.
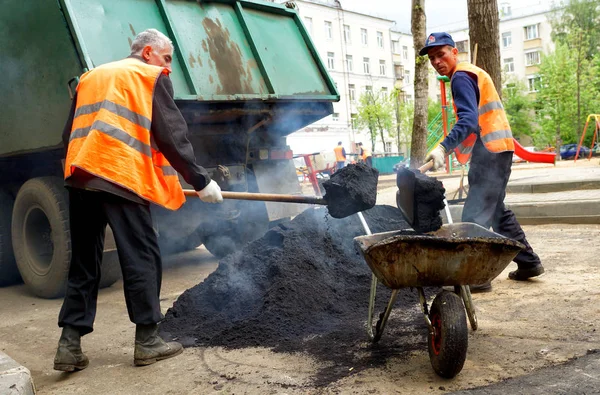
<point>357,51</point>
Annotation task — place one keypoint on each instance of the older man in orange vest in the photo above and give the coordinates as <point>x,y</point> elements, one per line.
<point>481,133</point>
<point>126,141</point>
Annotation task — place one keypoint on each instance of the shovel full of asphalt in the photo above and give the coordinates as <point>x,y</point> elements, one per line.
<point>350,190</point>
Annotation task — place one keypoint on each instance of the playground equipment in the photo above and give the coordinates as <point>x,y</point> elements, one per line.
<point>597,123</point>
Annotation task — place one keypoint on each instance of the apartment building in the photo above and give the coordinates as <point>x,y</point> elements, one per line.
<point>524,35</point>
<point>357,51</point>
<point>403,57</point>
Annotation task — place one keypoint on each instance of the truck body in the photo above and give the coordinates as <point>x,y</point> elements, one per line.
<point>245,75</point>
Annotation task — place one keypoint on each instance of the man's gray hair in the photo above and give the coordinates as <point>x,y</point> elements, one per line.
<point>151,37</point>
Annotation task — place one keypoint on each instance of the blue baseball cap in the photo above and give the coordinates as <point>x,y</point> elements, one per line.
<point>436,40</point>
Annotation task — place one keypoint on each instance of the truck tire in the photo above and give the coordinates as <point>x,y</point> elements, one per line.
<point>41,236</point>
<point>110,269</point>
<point>9,274</point>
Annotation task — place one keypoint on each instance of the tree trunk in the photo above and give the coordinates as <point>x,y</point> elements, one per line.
<point>418,148</point>
<point>487,37</point>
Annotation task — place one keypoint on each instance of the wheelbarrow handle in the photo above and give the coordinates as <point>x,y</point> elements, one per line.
<point>265,197</point>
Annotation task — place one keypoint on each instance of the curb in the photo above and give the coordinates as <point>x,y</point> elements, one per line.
<point>538,213</point>
<point>14,378</point>
<point>553,187</point>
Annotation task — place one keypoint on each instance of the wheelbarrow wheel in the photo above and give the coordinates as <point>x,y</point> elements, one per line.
<point>449,341</point>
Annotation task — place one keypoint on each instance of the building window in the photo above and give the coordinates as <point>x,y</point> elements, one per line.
<point>353,120</point>
<point>532,58</point>
<point>407,76</point>
<point>396,46</point>
<point>462,46</point>
<point>405,52</point>
<point>380,39</point>
<point>388,146</point>
<point>335,116</point>
<point>533,83</point>
<point>509,65</point>
<point>368,88</point>
<point>531,32</point>
<point>349,63</point>
<point>364,39</point>
<point>399,71</point>
<point>330,60</point>
<point>506,40</point>
<point>409,98</point>
<point>384,92</point>
<point>308,24</point>
<point>366,68</point>
<point>352,92</point>
<point>347,36</point>
<point>505,10</point>
<point>328,30</point>
<point>382,67</point>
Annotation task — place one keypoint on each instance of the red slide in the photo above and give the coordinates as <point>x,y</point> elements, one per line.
<point>541,157</point>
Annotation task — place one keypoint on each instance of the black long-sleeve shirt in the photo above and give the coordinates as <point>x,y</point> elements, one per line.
<point>169,131</point>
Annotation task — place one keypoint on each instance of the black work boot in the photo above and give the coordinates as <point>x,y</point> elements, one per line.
<point>481,288</point>
<point>69,356</point>
<point>151,348</point>
<point>527,273</point>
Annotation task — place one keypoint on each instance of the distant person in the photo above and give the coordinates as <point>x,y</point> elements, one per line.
<point>125,142</point>
<point>340,156</point>
<point>365,155</point>
<point>482,133</point>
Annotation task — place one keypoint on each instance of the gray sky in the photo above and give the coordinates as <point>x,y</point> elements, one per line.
<point>441,14</point>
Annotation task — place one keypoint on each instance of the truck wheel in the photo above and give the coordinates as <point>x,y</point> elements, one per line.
<point>449,341</point>
<point>41,236</point>
<point>9,274</point>
<point>110,269</point>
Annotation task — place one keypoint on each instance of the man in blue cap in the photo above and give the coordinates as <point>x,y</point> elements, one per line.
<point>482,134</point>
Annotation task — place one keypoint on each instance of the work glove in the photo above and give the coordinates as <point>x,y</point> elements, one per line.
<point>438,155</point>
<point>211,193</point>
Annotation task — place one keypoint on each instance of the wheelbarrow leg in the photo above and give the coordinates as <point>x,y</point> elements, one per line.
<point>465,294</point>
<point>384,317</point>
<point>371,307</point>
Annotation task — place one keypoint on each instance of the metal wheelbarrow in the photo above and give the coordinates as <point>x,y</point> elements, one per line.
<point>457,254</point>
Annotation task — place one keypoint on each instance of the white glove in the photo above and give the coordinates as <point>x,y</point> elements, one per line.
<point>211,193</point>
<point>438,155</point>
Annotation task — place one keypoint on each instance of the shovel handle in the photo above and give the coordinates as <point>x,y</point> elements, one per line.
<point>265,197</point>
<point>426,167</point>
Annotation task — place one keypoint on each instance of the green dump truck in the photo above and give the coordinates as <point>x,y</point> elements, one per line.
<point>245,74</point>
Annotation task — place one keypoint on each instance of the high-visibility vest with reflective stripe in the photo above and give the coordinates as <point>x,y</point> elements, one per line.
<point>495,130</point>
<point>366,153</point>
<point>111,136</point>
<point>339,154</point>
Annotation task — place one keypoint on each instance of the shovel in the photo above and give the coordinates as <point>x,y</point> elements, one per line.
<point>405,198</point>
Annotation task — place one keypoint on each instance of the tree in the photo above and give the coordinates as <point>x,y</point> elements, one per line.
<point>486,36</point>
<point>375,113</point>
<point>519,108</point>
<point>404,121</point>
<point>418,147</point>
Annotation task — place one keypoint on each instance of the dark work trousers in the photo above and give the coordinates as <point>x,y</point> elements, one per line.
<point>369,161</point>
<point>138,251</point>
<point>488,177</point>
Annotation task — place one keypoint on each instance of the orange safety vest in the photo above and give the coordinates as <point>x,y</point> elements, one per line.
<point>495,130</point>
<point>339,156</point>
<point>365,153</point>
<point>111,136</point>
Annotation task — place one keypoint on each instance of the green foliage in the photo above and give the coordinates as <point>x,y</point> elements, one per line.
<point>402,133</point>
<point>433,109</point>
<point>519,108</point>
<point>573,16</point>
<point>375,112</point>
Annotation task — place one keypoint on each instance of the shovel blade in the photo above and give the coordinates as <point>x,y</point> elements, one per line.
<point>405,197</point>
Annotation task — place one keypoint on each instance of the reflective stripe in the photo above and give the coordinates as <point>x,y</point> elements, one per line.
<point>464,149</point>
<point>496,135</point>
<point>168,170</point>
<point>116,133</point>
<point>493,105</point>
<point>118,109</point>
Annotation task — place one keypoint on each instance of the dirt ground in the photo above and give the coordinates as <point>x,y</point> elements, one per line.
<point>523,327</point>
